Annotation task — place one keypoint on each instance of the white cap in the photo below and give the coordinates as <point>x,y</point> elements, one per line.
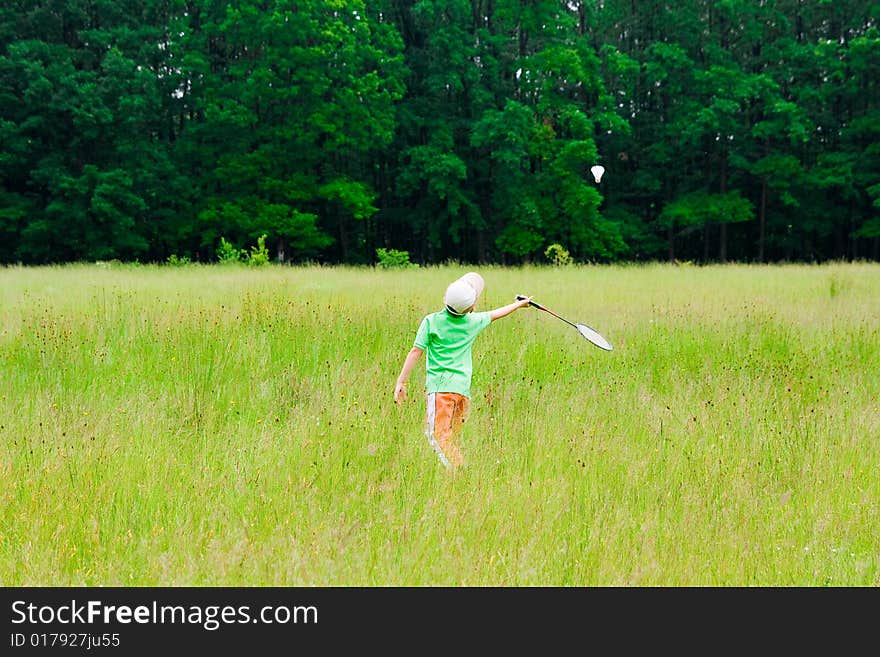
<point>463,293</point>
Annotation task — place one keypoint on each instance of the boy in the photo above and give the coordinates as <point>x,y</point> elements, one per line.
<point>447,337</point>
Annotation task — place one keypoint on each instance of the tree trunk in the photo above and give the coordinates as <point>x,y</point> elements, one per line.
<point>762,220</point>
<point>282,246</point>
<point>722,241</point>
<point>343,236</point>
<point>706,242</point>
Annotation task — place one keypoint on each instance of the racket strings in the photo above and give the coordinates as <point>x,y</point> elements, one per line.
<point>593,336</point>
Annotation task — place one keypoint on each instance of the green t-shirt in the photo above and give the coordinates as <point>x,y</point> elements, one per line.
<point>447,341</point>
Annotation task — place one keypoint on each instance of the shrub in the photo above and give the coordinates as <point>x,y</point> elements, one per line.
<point>557,255</point>
<point>259,254</point>
<point>178,261</point>
<point>227,253</point>
<point>394,259</point>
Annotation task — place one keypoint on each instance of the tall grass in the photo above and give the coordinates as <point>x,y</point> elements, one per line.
<point>211,425</point>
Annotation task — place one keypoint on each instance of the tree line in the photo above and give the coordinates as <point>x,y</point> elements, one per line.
<point>459,130</point>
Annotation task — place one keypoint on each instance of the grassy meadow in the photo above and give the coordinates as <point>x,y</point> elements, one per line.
<point>211,425</point>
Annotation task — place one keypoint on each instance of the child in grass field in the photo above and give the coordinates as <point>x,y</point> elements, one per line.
<point>447,336</point>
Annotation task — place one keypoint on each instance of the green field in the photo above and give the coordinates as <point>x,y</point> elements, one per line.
<point>209,425</point>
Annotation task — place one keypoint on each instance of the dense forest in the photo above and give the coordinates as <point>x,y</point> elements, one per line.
<point>454,130</point>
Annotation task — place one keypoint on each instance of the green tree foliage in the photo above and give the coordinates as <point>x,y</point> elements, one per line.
<point>81,176</point>
<point>291,100</point>
<point>700,209</point>
<point>454,129</point>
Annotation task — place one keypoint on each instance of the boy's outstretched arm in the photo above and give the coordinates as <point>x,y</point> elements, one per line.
<point>400,387</point>
<point>504,311</point>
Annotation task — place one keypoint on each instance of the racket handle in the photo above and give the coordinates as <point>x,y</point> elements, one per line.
<point>520,297</point>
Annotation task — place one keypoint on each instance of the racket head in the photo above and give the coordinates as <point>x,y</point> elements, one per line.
<point>593,336</point>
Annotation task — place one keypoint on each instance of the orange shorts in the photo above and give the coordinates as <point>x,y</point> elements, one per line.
<point>447,412</point>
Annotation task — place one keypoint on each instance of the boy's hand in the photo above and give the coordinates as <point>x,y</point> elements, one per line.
<point>399,393</point>
<point>523,300</point>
